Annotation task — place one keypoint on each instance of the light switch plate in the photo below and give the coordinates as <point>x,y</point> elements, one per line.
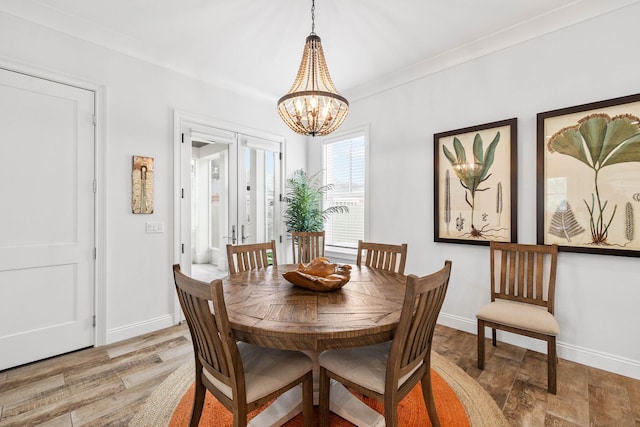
<point>154,227</point>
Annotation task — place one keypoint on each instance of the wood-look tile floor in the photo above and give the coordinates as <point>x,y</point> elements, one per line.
<point>105,386</point>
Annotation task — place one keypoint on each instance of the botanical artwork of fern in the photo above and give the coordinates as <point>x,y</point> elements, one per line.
<point>499,202</point>
<point>447,199</point>
<point>563,222</point>
<point>628,222</point>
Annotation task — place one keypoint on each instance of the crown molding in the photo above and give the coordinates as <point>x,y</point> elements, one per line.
<point>557,19</point>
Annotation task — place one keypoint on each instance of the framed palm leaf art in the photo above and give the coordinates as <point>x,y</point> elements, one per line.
<point>588,177</point>
<point>475,191</point>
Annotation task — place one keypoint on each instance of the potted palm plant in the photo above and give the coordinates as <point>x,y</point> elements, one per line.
<point>304,202</point>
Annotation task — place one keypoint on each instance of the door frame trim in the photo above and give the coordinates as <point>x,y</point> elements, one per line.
<point>99,168</point>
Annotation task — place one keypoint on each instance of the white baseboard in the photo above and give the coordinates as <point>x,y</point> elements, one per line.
<point>140,328</point>
<point>201,257</point>
<point>584,356</point>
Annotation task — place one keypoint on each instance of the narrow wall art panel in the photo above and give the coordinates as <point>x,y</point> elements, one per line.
<point>142,185</point>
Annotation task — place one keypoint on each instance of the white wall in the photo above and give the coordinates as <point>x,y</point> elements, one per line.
<point>139,108</point>
<point>597,296</point>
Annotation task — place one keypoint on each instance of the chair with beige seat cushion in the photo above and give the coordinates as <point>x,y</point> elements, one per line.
<point>523,279</point>
<point>387,372</point>
<point>250,256</point>
<point>241,376</point>
<point>307,245</point>
<point>382,256</point>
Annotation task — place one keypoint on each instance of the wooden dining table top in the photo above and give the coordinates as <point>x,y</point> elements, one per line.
<point>265,309</point>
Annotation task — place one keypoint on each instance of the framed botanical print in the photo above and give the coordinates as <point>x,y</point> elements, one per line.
<point>588,177</point>
<point>475,190</point>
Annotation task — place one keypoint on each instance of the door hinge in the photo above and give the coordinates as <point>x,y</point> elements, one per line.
<point>182,248</point>
<point>94,119</point>
<point>183,138</point>
<point>280,155</point>
<point>94,320</point>
<point>280,239</point>
<point>183,193</point>
<point>95,253</point>
<point>95,186</point>
<point>280,197</point>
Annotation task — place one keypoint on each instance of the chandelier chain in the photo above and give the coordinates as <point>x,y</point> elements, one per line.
<point>313,16</point>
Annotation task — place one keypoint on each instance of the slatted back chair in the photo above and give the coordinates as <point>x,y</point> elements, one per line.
<point>523,280</point>
<point>382,256</point>
<point>254,255</point>
<point>407,358</point>
<point>307,245</point>
<point>233,372</point>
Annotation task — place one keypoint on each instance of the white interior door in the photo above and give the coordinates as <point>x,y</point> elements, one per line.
<point>47,218</point>
<point>232,193</point>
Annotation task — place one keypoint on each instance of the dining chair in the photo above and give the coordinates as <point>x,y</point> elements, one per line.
<point>241,376</point>
<point>382,256</point>
<point>523,280</point>
<point>307,245</point>
<point>387,372</point>
<point>253,255</point>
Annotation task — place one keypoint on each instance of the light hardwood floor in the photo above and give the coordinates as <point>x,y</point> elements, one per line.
<point>105,386</point>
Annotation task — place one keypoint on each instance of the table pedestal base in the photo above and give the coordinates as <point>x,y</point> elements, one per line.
<point>287,406</point>
<point>342,403</point>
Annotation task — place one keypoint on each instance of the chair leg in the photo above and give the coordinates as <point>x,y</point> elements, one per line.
<point>480,344</point>
<point>240,416</point>
<point>307,400</point>
<point>552,363</point>
<point>324,398</point>
<point>198,402</point>
<point>427,394</point>
<point>390,411</point>
<point>493,337</point>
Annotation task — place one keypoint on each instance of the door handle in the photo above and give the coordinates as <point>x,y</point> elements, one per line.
<point>233,235</point>
<point>243,236</point>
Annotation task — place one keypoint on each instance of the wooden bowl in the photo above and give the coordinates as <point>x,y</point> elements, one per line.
<point>319,275</point>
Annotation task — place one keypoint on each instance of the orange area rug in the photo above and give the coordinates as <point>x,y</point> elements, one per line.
<point>411,411</point>
<point>460,400</point>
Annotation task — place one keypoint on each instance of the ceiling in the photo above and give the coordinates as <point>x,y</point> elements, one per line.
<point>255,46</point>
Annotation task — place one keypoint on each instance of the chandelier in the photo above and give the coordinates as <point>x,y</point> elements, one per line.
<point>313,106</point>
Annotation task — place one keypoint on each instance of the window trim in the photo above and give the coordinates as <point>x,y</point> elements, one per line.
<point>362,130</point>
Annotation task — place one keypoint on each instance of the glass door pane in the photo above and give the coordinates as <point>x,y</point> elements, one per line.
<point>209,201</point>
<point>258,184</point>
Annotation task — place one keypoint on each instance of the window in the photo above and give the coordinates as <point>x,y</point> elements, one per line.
<point>344,163</point>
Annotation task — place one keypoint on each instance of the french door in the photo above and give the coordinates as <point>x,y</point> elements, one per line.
<point>230,195</point>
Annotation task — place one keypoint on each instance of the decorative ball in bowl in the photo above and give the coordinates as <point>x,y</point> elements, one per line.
<point>320,275</point>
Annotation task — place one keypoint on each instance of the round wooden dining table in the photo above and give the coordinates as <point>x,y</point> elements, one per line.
<point>267,310</point>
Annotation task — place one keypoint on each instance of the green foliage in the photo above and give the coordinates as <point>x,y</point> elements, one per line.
<point>598,141</point>
<point>471,175</point>
<point>303,197</point>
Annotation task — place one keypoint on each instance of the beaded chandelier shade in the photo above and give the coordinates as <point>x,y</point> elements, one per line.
<point>313,106</point>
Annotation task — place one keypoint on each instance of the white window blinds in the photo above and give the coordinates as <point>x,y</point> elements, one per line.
<point>344,165</point>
